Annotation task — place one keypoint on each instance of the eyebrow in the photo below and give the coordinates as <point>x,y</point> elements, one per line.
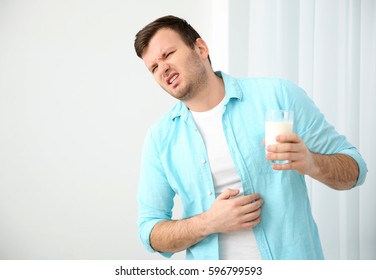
<point>163,56</point>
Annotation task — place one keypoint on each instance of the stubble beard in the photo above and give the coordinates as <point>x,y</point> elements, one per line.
<point>196,79</point>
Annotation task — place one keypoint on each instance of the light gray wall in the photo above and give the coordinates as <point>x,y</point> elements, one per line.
<point>75,103</point>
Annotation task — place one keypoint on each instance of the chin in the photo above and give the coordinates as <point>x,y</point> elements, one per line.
<point>179,95</point>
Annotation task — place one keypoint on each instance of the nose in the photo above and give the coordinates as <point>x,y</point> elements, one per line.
<point>164,68</point>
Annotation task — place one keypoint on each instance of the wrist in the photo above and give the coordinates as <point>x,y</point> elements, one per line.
<point>203,225</point>
<point>314,165</point>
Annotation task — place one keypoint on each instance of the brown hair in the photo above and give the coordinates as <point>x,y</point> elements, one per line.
<point>188,34</point>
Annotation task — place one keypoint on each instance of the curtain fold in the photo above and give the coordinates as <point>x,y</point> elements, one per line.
<point>328,48</point>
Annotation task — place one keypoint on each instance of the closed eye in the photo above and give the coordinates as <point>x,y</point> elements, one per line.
<point>153,68</point>
<point>169,54</point>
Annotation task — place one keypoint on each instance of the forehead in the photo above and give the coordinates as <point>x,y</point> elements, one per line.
<point>163,40</point>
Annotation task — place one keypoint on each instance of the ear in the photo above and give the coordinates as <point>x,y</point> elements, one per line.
<point>202,48</point>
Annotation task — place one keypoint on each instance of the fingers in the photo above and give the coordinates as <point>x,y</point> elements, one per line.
<point>290,147</point>
<point>247,199</point>
<point>251,224</point>
<point>285,166</point>
<point>248,203</point>
<point>253,206</point>
<point>228,193</point>
<point>252,209</point>
<point>290,137</point>
<point>291,156</point>
<point>252,216</point>
<point>291,153</point>
<point>229,213</point>
<point>284,147</point>
<point>248,216</point>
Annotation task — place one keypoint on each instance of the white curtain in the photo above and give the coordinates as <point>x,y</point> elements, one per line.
<point>329,49</point>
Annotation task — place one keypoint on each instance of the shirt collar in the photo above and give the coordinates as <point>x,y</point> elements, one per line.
<point>232,91</point>
<point>232,87</point>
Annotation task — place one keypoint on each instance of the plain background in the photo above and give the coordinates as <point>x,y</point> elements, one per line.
<point>75,104</point>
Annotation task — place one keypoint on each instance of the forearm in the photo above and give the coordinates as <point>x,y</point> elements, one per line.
<point>337,171</point>
<point>228,213</point>
<point>177,235</point>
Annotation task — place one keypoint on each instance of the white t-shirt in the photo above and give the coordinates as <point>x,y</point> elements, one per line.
<point>235,245</point>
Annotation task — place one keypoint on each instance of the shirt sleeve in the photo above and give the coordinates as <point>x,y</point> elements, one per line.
<point>319,136</point>
<point>155,196</point>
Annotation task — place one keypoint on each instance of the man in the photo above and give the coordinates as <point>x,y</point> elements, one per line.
<point>208,149</point>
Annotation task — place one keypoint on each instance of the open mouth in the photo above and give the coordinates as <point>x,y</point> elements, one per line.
<point>172,78</point>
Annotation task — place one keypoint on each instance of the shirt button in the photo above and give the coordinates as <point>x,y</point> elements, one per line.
<point>209,192</point>
<point>203,161</point>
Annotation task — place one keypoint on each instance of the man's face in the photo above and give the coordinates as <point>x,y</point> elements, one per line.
<point>177,68</point>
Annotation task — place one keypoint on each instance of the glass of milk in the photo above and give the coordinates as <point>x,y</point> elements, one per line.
<point>277,122</point>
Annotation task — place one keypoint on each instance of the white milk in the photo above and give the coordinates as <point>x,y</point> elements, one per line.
<point>275,128</point>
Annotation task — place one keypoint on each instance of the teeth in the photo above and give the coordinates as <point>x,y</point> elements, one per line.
<point>173,79</point>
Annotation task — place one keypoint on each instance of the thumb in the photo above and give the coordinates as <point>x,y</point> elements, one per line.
<point>228,193</point>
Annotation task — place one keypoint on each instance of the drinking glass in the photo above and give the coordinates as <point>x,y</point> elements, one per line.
<point>277,122</point>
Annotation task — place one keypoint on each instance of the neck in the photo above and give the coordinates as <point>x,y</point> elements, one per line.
<point>208,97</point>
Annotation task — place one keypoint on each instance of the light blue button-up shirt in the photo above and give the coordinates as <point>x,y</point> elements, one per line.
<point>175,162</point>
